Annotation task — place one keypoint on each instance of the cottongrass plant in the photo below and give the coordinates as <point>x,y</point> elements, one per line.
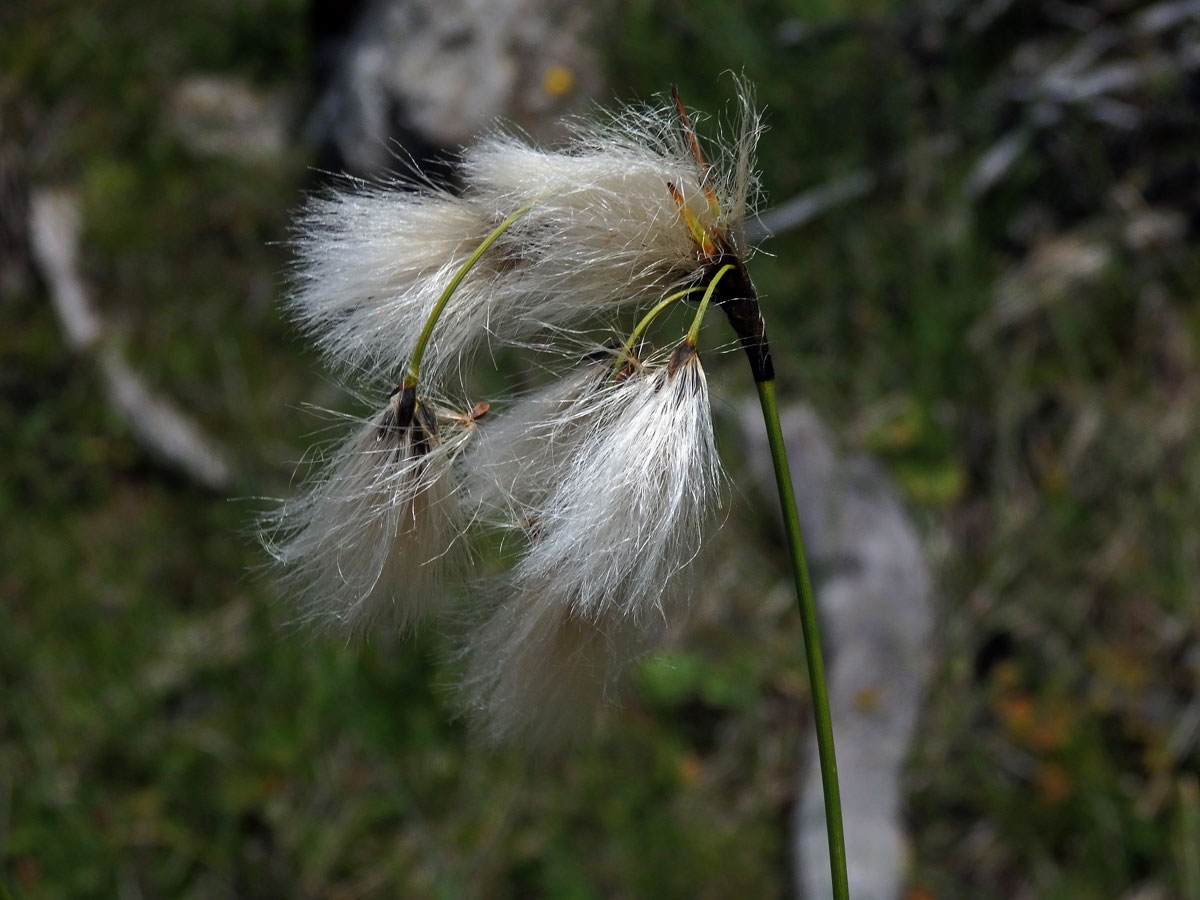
<point>605,479</point>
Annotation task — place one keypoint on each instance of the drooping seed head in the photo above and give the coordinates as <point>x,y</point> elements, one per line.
<point>371,541</point>
<point>612,518</point>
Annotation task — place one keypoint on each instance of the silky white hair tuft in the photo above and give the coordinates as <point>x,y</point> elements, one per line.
<point>603,231</point>
<point>628,509</point>
<point>613,514</point>
<point>373,539</point>
<point>515,461</point>
<point>535,670</point>
<point>604,228</point>
<point>371,263</point>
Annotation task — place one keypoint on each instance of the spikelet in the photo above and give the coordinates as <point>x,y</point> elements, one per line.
<point>619,513</point>
<point>605,227</point>
<point>629,509</point>
<point>371,263</point>
<point>371,541</point>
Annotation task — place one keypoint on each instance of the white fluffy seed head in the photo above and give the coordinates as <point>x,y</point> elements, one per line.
<point>370,265</point>
<point>371,542</point>
<point>604,230</point>
<point>608,481</point>
<point>615,516</point>
<point>628,510</point>
<point>535,670</point>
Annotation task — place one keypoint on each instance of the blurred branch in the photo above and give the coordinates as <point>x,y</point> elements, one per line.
<point>1080,80</point>
<point>54,242</point>
<point>996,161</point>
<point>805,207</point>
<point>815,202</point>
<point>1165,16</point>
<point>162,429</point>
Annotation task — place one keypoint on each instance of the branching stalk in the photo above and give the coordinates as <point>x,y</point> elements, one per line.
<point>627,349</point>
<point>639,329</point>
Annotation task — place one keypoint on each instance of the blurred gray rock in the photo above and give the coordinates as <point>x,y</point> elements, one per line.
<point>875,597</point>
<point>416,77</point>
<point>55,226</point>
<point>221,116</point>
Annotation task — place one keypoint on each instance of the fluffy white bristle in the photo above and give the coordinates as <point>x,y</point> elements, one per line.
<point>606,480</point>
<point>371,541</point>
<point>603,231</point>
<point>612,517</point>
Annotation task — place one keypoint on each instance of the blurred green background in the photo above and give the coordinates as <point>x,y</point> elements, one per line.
<point>1021,354</point>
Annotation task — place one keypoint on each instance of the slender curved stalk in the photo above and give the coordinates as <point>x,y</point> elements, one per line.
<point>414,361</point>
<point>627,348</point>
<point>694,331</point>
<point>812,640</point>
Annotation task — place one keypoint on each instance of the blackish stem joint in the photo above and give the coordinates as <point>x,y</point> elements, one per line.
<point>737,296</point>
<point>405,405</point>
<point>683,353</point>
<point>406,412</point>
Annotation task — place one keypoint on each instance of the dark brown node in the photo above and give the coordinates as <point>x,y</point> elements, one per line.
<point>736,295</point>
<point>682,356</point>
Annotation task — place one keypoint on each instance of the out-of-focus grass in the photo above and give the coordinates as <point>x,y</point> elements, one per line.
<point>163,732</point>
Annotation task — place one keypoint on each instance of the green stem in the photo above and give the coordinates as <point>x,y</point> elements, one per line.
<point>812,640</point>
<point>694,331</point>
<point>627,349</point>
<point>1187,838</point>
<point>414,361</point>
